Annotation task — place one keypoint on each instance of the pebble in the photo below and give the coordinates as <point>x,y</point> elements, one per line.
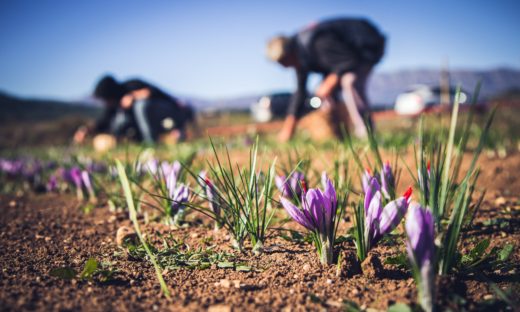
<point>12,203</point>
<point>225,283</point>
<point>219,308</point>
<point>124,233</point>
<point>306,267</point>
<point>500,201</point>
<point>488,297</point>
<point>329,281</point>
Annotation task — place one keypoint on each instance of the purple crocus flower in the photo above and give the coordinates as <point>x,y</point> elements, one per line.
<point>379,220</point>
<point>421,251</point>
<point>174,167</point>
<point>212,196</point>
<point>318,214</point>
<point>179,197</point>
<point>11,167</point>
<point>365,179</point>
<point>74,176</point>
<point>387,180</point>
<point>87,183</point>
<point>178,194</point>
<point>290,187</point>
<point>52,184</point>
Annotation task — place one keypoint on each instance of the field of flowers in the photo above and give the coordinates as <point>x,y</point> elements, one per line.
<point>429,223</point>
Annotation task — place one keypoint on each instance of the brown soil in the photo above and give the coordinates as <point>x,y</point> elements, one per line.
<point>41,232</point>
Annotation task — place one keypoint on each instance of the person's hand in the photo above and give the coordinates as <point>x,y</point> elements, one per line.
<point>126,101</point>
<point>288,129</point>
<point>80,135</point>
<point>327,86</point>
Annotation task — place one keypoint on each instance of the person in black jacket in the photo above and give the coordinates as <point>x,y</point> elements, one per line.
<point>344,51</point>
<point>137,110</point>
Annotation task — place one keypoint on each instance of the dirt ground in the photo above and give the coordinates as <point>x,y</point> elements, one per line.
<point>41,232</point>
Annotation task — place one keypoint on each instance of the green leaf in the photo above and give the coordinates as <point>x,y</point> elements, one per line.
<point>478,251</point>
<point>400,260</point>
<point>506,252</point>
<point>65,273</point>
<point>243,268</point>
<point>90,268</point>
<point>226,265</point>
<point>399,307</point>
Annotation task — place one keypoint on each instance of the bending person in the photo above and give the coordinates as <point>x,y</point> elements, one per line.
<point>344,51</point>
<point>138,111</point>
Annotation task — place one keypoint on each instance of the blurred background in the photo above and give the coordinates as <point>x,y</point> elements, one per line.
<point>212,56</point>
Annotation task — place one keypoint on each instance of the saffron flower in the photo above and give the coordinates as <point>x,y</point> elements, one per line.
<point>87,183</point>
<point>387,181</point>
<point>179,195</point>
<point>290,187</point>
<point>421,252</point>
<point>318,214</point>
<point>379,220</point>
<point>212,197</point>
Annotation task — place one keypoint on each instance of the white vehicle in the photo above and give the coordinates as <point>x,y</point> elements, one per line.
<point>421,98</point>
<point>274,106</point>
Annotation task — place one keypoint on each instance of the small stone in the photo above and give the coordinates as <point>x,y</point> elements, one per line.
<point>333,303</point>
<point>500,201</point>
<point>225,283</point>
<point>219,308</point>
<point>295,276</point>
<point>291,291</point>
<point>47,238</point>
<point>12,203</point>
<point>306,267</point>
<point>329,281</point>
<point>125,234</point>
<point>236,284</point>
<point>488,297</point>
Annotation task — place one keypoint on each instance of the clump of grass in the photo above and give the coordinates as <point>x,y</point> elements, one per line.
<point>243,196</point>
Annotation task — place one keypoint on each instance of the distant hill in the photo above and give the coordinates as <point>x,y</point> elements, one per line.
<point>385,86</point>
<point>13,108</point>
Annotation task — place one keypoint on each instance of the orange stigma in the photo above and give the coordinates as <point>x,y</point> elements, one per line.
<point>304,185</point>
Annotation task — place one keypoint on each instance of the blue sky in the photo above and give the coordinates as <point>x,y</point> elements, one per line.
<point>215,49</point>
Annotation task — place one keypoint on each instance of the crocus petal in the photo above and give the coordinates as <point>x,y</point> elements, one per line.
<point>374,210</point>
<point>372,189</point>
<point>421,234</point>
<point>171,183</point>
<point>295,213</point>
<point>392,214</point>
<point>387,180</point>
<point>365,180</point>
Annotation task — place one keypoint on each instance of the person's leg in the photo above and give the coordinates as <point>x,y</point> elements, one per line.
<point>353,85</point>
<point>141,117</point>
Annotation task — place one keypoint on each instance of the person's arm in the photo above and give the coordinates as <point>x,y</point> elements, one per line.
<point>297,101</point>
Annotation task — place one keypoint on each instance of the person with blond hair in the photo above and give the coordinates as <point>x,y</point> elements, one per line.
<point>344,51</point>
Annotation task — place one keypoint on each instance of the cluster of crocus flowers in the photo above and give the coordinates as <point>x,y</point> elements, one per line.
<point>381,220</point>
<point>421,252</point>
<point>290,187</point>
<point>318,214</point>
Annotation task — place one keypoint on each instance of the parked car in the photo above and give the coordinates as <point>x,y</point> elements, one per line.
<point>421,98</point>
<point>274,106</point>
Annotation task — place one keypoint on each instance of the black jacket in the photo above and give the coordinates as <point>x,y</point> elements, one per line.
<point>334,46</point>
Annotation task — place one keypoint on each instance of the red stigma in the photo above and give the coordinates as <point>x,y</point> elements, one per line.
<point>408,193</point>
<point>428,166</point>
<point>304,185</point>
<point>388,163</point>
<point>208,181</point>
<point>368,171</point>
